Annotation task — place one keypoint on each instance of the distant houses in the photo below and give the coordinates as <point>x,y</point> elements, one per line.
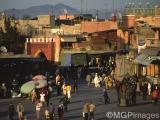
<point>134,31</point>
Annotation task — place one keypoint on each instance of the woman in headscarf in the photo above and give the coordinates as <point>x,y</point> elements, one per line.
<point>96,81</point>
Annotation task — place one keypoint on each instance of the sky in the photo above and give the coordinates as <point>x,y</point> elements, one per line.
<point>91,4</point>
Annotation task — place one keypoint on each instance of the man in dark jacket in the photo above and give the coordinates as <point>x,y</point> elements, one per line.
<point>60,112</point>
<point>145,90</point>
<point>65,101</point>
<point>11,111</point>
<point>51,111</point>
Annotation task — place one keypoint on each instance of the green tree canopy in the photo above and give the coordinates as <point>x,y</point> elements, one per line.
<point>12,39</point>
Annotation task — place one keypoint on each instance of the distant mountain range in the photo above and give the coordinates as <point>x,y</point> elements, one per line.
<point>41,10</point>
<point>61,8</point>
<point>53,9</point>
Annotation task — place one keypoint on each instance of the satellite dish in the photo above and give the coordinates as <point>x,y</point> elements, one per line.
<point>119,15</point>
<point>65,11</point>
<point>129,4</point>
<point>156,6</point>
<point>147,4</point>
<point>140,4</point>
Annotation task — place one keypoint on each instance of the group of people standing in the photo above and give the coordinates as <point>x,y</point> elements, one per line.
<point>131,86</point>
<point>100,80</point>
<point>88,111</point>
<point>38,106</point>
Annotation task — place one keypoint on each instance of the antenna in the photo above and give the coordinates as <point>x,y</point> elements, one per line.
<point>113,6</point>
<point>140,3</point>
<point>86,7</point>
<point>81,6</point>
<point>106,5</point>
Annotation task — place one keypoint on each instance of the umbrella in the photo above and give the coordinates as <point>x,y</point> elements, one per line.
<point>41,83</point>
<point>39,77</point>
<point>28,87</point>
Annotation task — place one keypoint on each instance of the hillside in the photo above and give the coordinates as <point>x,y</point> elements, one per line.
<point>40,10</point>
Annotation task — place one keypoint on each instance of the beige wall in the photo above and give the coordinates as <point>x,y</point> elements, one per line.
<point>26,26</point>
<point>33,23</point>
<point>45,20</point>
<point>157,21</point>
<point>68,30</point>
<point>95,26</point>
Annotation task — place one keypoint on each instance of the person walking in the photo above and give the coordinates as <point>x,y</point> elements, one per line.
<point>33,96</point>
<point>89,79</point>
<point>48,98</point>
<point>155,95</point>
<point>123,100</point>
<point>42,98</point>
<point>20,111</point>
<point>106,98</point>
<point>91,111</point>
<point>65,101</point>
<point>58,84</point>
<point>134,96</point>
<point>46,114</point>
<point>145,90</point>
<point>96,81</point>
<point>51,112</point>
<point>38,108</point>
<point>86,111</point>
<point>68,88</point>
<point>138,88</point>
<point>75,86</point>
<point>149,88</point>
<point>60,112</point>
<point>4,90</point>
<point>118,88</point>
<point>64,89</point>
<point>11,111</point>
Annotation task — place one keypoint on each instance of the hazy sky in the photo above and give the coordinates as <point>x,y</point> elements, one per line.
<point>96,4</point>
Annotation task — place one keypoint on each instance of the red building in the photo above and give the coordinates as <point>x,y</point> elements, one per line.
<point>49,46</point>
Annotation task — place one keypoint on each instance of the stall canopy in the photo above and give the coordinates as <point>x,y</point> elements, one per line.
<point>143,59</point>
<point>68,59</point>
<point>148,56</point>
<point>65,59</point>
<point>79,59</point>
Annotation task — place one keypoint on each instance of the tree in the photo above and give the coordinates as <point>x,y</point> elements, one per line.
<point>12,39</point>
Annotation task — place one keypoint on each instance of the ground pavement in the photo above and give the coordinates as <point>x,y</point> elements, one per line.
<point>86,94</point>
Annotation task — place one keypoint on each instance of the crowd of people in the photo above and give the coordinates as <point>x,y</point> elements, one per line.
<point>41,99</point>
<point>9,90</point>
<point>131,86</point>
<point>127,91</point>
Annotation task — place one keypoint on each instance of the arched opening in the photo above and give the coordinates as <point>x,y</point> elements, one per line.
<point>40,54</point>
